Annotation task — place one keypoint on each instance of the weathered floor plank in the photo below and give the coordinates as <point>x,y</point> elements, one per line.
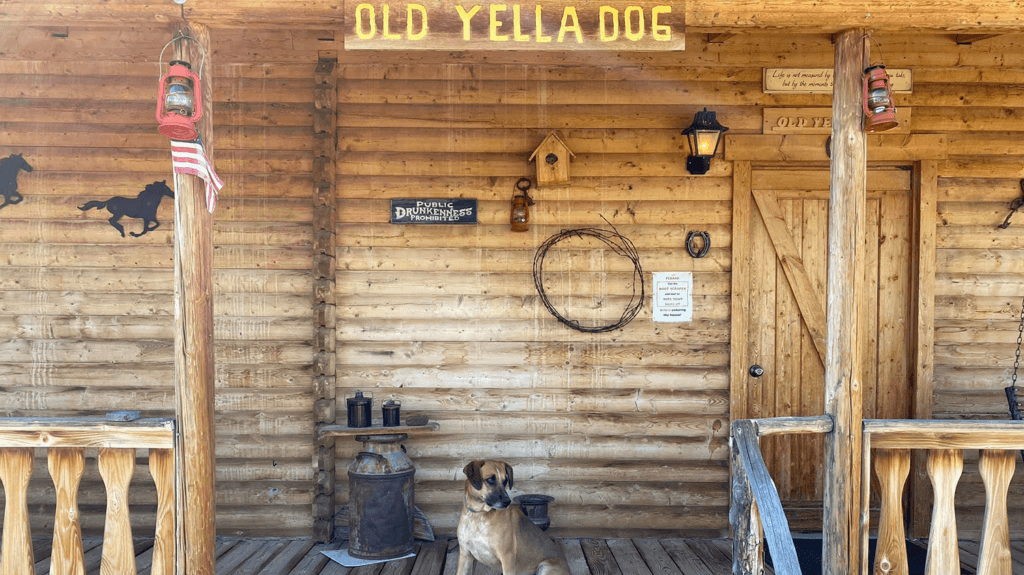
<point>657,559</point>
<point>290,556</point>
<point>575,557</point>
<point>586,556</point>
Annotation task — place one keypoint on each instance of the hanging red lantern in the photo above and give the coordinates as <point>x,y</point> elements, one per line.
<point>180,104</point>
<point>879,112</point>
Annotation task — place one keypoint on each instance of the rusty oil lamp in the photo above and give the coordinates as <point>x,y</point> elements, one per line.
<point>521,202</point>
<point>879,112</point>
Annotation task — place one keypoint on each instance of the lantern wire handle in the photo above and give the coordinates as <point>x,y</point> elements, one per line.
<point>182,36</point>
<point>878,47</point>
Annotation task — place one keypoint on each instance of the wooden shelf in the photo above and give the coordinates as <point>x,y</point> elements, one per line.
<point>338,430</point>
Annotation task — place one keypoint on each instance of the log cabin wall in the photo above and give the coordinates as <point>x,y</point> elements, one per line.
<point>87,315</point>
<point>626,429</point>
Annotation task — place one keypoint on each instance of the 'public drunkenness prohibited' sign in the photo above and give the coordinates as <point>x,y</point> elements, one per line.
<point>673,296</point>
<point>433,211</point>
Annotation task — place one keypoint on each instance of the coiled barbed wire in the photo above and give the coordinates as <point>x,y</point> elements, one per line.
<point>619,244</point>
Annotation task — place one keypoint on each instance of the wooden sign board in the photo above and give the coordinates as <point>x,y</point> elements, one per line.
<point>816,121</point>
<point>433,211</point>
<point>634,25</point>
<point>819,80</point>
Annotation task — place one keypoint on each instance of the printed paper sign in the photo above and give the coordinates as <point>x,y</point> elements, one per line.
<point>673,296</point>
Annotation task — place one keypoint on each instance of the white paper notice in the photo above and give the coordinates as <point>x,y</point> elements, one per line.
<point>673,296</point>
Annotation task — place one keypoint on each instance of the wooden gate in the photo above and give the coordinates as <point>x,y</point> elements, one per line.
<point>784,268</point>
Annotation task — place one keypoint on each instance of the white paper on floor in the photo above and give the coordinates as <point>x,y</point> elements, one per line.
<point>342,556</point>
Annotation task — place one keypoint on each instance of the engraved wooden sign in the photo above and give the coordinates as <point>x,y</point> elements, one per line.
<point>816,121</point>
<point>819,80</point>
<point>544,25</point>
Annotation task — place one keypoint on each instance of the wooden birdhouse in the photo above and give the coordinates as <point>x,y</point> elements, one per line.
<point>552,157</point>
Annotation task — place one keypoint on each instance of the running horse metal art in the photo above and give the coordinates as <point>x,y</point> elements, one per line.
<point>9,168</point>
<point>143,207</point>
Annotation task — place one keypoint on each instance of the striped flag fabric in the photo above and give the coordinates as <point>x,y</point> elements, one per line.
<point>190,158</point>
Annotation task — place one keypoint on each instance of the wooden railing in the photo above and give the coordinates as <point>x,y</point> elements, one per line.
<point>65,441</point>
<point>756,512</point>
<point>890,443</point>
<point>887,443</point>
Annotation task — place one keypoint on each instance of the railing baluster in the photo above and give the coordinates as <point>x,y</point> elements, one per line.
<point>15,472</point>
<point>66,466</point>
<point>892,467</point>
<point>996,466</point>
<point>944,468</point>
<point>161,467</point>
<point>116,468</point>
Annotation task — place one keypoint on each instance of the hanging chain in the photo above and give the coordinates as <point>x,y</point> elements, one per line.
<point>1020,339</point>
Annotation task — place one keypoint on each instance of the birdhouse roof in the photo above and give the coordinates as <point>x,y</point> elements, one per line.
<point>551,140</point>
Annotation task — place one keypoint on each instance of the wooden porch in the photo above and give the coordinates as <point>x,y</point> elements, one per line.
<point>279,556</point>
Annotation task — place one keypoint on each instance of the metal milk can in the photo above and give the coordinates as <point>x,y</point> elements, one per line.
<point>381,491</point>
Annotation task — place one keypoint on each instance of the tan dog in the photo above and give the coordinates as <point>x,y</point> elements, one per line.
<point>498,534</point>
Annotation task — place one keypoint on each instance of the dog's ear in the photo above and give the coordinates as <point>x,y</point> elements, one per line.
<point>508,474</point>
<point>472,471</point>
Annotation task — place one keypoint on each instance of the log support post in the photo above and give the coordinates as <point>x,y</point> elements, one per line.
<point>843,369</point>
<point>324,404</point>
<point>195,527</point>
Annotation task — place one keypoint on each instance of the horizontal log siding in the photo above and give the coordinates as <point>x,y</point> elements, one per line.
<point>87,316</point>
<point>979,268</point>
<point>627,429</point>
<point>620,427</point>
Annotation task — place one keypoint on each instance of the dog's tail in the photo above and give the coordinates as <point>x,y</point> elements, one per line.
<point>93,204</point>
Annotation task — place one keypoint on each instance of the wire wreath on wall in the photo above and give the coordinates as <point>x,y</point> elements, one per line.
<point>619,244</point>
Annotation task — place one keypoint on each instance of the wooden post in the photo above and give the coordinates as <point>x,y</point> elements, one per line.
<point>926,178</point>
<point>843,371</point>
<point>324,408</point>
<point>193,341</point>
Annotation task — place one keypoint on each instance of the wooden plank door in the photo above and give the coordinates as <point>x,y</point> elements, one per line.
<point>782,255</point>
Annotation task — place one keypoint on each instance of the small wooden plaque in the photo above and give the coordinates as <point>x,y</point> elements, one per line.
<point>816,121</point>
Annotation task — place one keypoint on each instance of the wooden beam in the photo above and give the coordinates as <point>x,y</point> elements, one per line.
<point>325,136</point>
<point>195,519</point>
<point>811,147</point>
<point>843,370</point>
<point>739,347</point>
<point>925,191</point>
<point>710,17</point>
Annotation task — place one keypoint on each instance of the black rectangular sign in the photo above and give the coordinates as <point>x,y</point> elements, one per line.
<point>433,211</point>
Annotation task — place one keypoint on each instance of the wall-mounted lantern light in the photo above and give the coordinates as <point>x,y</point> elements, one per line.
<point>179,104</point>
<point>879,113</point>
<point>704,136</point>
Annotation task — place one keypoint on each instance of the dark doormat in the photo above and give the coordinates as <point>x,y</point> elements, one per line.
<point>808,552</point>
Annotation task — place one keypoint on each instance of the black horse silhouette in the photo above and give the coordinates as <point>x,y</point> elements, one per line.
<point>9,168</point>
<point>143,207</point>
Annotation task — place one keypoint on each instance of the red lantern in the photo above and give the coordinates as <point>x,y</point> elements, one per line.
<point>879,113</point>
<point>180,103</point>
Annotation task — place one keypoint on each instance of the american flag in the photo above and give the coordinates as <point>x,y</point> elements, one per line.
<point>190,158</point>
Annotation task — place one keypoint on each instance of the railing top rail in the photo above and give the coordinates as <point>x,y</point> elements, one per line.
<point>155,433</point>
<point>783,425</point>
<point>944,434</point>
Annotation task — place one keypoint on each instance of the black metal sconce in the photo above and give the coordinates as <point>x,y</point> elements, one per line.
<point>704,136</point>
